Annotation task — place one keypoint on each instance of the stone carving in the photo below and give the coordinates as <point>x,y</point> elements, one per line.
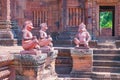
<point>6,68</point>
<point>29,67</point>
<point>29,41</point>
<point>46,46</point>
<point>33,46</point>
<point>82,37</point>
<point>45,41</point>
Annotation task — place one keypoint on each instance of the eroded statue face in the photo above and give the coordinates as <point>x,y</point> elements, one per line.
<point>29,26</point>
<point>44,28</point>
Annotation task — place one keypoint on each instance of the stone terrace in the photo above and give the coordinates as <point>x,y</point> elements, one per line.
<point>104,66</point>
<point>5,50</point>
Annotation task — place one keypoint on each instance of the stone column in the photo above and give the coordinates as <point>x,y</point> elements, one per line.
<point>64,13</point>
<point>6,36</point>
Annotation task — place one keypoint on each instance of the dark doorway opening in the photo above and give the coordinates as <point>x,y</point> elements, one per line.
<point>107,20</point>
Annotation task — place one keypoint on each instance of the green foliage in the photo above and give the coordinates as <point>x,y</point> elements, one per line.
<point>106,19</point>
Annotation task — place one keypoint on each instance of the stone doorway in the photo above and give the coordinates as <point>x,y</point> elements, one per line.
<point>106,20</point>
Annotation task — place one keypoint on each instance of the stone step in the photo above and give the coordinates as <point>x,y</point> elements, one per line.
<point>70,43</point>
<point>81,74</point>
<point>105,39</point>
<point>115,57</point>
<point>74,78</point>
<point>8,42</point>
<point>105,76</point>
<point>106,69</point>
<point>63,60</point>
<point>106,51</point>
<point>106,63</point>
<point>106,46</point>
<point>63,63</point>
<point>64,37</point>
<point>63,43</point>
<point>63,69</point>
<point>72,28</point>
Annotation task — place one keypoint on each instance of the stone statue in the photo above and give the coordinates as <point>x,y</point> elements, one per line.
<point>29,41</point>
<point>44,39</point>
<point>82,37</point>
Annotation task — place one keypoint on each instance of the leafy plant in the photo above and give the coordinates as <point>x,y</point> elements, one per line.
<point>106,19</point>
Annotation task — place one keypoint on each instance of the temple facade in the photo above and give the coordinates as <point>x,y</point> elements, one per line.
<point>62,14</point>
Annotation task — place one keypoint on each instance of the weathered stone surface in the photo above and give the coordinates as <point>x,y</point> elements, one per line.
<point>93,43</point>
<point>6,70</point>
<point>50,61</point>
<point>29,67</point>
<point>117,43</point>
<point>32,52</point>
<point>63,61</point>
<point>30,60</point>
<point>106,60</point>
<point>82,60</point>
<point>105,76</point>
<point>6,57</point>
<point>8,42</point>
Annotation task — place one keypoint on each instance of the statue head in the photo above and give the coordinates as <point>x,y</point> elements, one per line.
<point>82,27</point>
<point>28,25</point>
<point>43,26</point>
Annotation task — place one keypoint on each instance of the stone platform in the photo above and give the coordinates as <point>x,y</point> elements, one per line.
<point>105,64</point>
<point>75,62</point>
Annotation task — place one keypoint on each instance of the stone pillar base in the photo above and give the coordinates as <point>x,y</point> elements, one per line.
<point>82,61</point>
<point>29,67</point>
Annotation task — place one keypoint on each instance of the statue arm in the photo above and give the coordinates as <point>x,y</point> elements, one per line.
<point>27,36</point>
<point>88,37</point>
<point>42,35</point>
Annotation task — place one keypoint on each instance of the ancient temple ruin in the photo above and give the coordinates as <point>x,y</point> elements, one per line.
<point>63,18</point>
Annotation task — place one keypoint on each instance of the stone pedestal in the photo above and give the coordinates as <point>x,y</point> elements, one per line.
<point>29,67</point>
<point>82,61</point>
<point>7,71</point>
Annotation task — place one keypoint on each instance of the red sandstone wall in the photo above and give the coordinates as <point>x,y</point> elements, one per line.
<point>92,9</point>
<point>22,10</point>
